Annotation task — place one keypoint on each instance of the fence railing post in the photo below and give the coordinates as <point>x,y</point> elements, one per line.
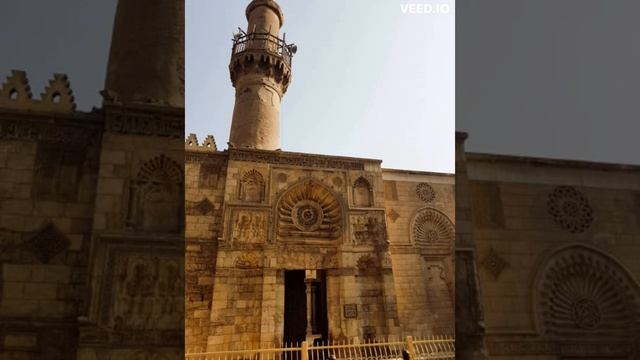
<point>410,348</point>
<point>304,351</point>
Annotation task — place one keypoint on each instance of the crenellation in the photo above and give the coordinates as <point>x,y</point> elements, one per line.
<point>15,94</point>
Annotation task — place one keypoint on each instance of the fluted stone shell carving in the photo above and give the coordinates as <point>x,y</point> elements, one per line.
<point>584,293</point>
<point>432,232</point>
<point>309,210</point>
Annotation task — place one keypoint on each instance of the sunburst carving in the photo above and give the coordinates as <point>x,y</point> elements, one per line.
<point>433,232</point>
<point>585,294</point>
<point>309,210</point>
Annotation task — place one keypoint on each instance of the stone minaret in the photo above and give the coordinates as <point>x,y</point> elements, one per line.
<point>146,61</point>
<point>260,71</point>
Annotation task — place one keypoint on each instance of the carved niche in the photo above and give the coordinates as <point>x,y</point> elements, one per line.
<point>309,210</point>
<point>249,227</point>
<point>583,293</point>
<point>252,186</point>
<point>156,197</point>
<point>570,209</point>
<point>432,232</point>
<point>362,193</point>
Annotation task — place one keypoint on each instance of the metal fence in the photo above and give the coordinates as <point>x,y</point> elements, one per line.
<point>432,348</point>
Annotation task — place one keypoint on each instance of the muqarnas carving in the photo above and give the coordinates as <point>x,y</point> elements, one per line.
<point>156,198</point>
<point>149,293</point>
<point>309,210</point>
<point>570,209</point>
<point>432,232</point>
<point>252,186</point>
<point>249,227</point>
<point>425,192</point>
<point>362,193</point>
<point>585,293</point>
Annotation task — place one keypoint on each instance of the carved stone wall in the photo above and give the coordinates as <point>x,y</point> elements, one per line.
<point>47,189</point>
<point>204,190</point>
<point>419,211</point>
<point>277,217</point>
<point>138,237</point>
<point>557,256</point>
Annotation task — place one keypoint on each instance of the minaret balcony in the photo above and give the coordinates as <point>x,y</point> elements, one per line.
<point>263,42</point>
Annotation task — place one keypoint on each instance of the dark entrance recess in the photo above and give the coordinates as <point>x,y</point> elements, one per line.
<point>295,306</point>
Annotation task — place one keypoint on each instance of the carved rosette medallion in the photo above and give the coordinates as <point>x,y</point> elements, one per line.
<point>425,192</point>
<point>309,210</point>
<point>307,215</point>
<point>570,209</point>
<point>585,314</point>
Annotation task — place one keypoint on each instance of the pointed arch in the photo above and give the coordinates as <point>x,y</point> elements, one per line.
<point>362,192</point>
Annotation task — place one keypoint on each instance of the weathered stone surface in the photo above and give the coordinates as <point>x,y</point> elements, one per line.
<point>552,237</point>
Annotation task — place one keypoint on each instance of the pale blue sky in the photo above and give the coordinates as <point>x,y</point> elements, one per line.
<point>368,80</point>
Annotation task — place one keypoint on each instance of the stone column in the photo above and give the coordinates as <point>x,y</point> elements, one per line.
<point>468,308</point>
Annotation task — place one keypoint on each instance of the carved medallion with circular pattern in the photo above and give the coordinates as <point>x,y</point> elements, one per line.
<point>425,192</point>
<point>307,215</point>
<point>585,314</point>
<point>308,209</point>
<point>570,209</point>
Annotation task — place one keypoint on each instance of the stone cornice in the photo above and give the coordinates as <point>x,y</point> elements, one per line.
<point>73,128</point>
<point>192,156</point>
<point>300,159</point>
<point>142,119</point>
<point>548,162</point>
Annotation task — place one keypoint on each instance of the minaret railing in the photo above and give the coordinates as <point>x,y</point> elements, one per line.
<point>263,42</point>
